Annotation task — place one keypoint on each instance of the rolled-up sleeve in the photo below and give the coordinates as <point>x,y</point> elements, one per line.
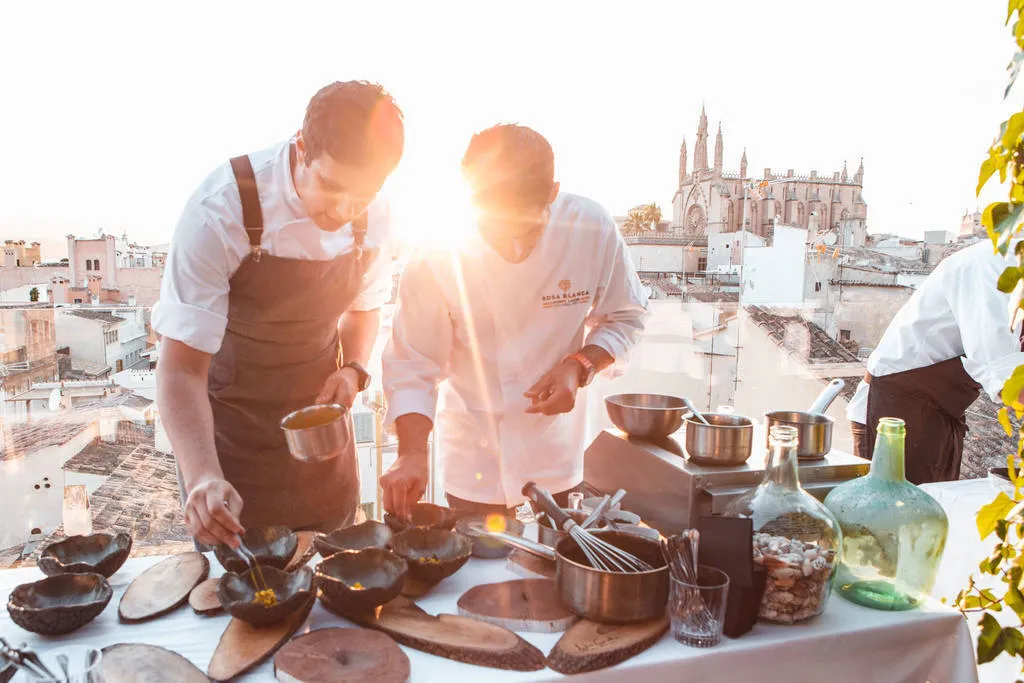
<point>620,312</point>
<point>193,303</point>
<point>420,346</point>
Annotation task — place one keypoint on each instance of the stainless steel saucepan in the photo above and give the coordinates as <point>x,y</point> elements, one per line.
<point>814,428</point>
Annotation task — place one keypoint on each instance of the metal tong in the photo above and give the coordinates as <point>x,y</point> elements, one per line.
<point>25,658</point>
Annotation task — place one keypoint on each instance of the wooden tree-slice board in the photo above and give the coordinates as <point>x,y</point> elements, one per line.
<point>138,663</point>
<point>589,645</point>
<point>455,637</point>
<point>163,587</point>
<point>530,566</point>
<point>203,598</point>
<point>531,605</point>
<point>353,655</point>
<point>243,645</point>
<point>304,550</point>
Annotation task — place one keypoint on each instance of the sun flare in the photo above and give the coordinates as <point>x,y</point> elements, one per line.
<point>432,209</point>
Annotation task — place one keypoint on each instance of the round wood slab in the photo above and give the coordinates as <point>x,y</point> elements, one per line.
<point>243,645</point>
<point>203,599</point>
<point>138,663</point>
<point>531,605</point>
<point>589,646</point>
<point>353,655</point>
<point>163,587</point>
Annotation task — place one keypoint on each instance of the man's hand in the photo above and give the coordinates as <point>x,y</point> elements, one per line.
<point>341,387</point>
<point>404,484</point>
<point>211,512</point>
<point>555,392</point>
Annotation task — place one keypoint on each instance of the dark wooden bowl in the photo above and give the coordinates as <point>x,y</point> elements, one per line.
<point>485,547</point>
<point>423,514</point>
<point>97,553</point>
<point>59,604</point>
<point>366,535</point>
<point>237,593</point>
<point>273,546</point>
<point>380,572</point>
<point>433,554</point>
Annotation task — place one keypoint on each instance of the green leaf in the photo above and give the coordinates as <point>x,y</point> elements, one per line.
<point>1013,386</point>
<point>990,632</point>
<point>972,602</point>
<point>1001,221</point>
<point>1015,601</point>
<point>989,516</point>
<point>1008,279</point>
<point>1013,70</point>
<point>988,168</point>
<point>1014,127</point>
<point>1004,420</point>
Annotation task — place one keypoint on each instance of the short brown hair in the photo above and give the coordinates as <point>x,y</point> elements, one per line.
<point>354,122</point>
<point>510,166</point>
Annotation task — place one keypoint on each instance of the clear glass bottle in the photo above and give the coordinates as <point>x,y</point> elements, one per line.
<point>893,532</point>
<point>796,538</point>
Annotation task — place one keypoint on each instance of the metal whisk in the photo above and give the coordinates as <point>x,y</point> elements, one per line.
<point>599,553</point>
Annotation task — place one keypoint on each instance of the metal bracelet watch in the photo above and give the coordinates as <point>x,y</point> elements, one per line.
<point>363,377</point>
<point>587,368</point>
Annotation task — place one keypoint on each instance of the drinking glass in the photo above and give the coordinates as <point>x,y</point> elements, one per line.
<point>697,610</point>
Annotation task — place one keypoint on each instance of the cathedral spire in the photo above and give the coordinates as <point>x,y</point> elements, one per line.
<point>718,150</point>
<point>858,178</point>
<point>682,163</point>
<point>700,156</point>
<point>743,164</point>
<point>845,176</point>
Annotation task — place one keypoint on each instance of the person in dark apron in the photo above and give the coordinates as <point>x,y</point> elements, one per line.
<point>949,342</point>
<point>291,337</point>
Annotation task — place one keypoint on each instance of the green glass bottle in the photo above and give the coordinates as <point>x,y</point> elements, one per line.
<point>893,532</point>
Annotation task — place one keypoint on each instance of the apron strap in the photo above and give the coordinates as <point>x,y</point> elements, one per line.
<point>252,214</point>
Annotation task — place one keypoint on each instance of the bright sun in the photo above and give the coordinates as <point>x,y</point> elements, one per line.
<point>431,208</point>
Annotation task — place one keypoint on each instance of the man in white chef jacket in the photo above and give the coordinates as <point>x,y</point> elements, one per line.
<point>508,328</point>
<point>951,340</point>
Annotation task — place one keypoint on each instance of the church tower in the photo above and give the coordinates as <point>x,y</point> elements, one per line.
<point>700,158</point>
<point>858,178</point>
<point>682,163</point>
<point>743,164</point>
<point>718,150</point>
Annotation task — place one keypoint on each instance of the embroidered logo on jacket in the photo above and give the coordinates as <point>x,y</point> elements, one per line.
<point>568,297</point>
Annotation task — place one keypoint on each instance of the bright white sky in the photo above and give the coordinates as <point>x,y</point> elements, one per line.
<point>110,114</point>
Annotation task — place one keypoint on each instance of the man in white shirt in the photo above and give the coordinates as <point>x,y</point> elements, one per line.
<point>270,302</point>
<point>508,328</point>
<point>949,341</point>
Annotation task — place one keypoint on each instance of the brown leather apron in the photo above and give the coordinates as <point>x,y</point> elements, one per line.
<point>280,346</point>
<point>932,401</point>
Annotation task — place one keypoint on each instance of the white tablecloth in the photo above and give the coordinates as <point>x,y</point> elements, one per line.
<point>964,550</point>
<point>847,644</point>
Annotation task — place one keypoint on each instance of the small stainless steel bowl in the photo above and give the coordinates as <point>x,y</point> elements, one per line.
<point>728,440</point>
<point>317,433</point>
<point>646,415</point>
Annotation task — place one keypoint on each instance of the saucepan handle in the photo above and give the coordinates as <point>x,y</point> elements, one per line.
<point>826,397</point>
<point>532,547</point>
<point>548,506</point>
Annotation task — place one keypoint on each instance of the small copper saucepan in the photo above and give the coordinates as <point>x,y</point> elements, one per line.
<point>318,433</point>
<point>598,595</point>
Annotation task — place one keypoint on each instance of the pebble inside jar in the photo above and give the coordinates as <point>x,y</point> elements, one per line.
<point>797,540</point>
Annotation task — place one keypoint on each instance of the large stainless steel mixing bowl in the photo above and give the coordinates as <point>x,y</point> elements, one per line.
<point>646,415</point>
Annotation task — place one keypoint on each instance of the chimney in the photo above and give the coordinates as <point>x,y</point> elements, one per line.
<point>814,174</point>
<point>767,174</point>
<point>131,300</point>
<point>789,173</point>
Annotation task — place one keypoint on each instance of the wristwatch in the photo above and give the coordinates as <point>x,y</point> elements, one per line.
<point>587,368</point>
<point>363,377</point>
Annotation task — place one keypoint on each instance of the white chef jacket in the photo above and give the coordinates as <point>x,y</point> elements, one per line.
<point>210,243</point>
<point>485,330</point>
<point>956,311</point>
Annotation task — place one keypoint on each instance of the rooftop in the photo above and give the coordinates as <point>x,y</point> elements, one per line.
<point>139,497</point>
<point>103,316</point>
<point>34,436</point>
<point>801,338</point>
<point>99,457</point>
